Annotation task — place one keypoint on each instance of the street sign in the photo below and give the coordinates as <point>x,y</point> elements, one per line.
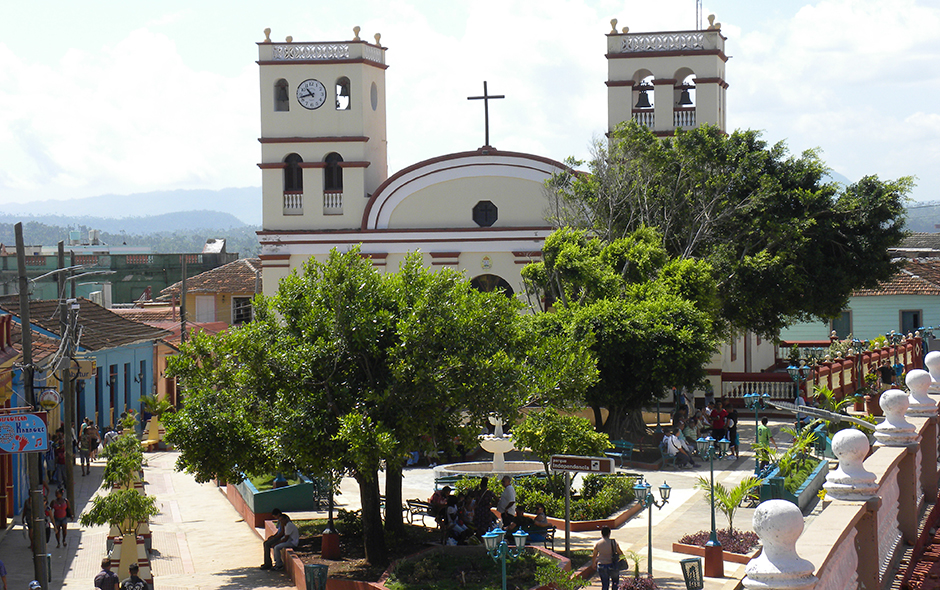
<point>582,464</point>
<point>23,433</point>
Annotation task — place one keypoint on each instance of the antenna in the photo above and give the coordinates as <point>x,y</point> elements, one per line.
<point>698,15</point>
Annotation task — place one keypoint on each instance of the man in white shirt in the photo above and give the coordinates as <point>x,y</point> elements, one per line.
<point>507,501</point>
<point>675,449</point>
<point>290,539</point>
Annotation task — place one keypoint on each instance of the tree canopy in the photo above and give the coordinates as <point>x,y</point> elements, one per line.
<point>783,243</point>
<point>649,317</point>
<point>548,432</point>
<point>345,368</point>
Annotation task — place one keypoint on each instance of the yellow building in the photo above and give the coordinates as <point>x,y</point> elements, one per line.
<point>483,211</point>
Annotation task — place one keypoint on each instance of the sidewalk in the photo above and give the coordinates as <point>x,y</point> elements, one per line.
<point>201,542</point>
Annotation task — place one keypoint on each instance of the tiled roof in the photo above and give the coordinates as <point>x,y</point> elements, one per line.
<point>921,241</point>
<point>101,328</point>
<point>42,346</point>
<point>150,314</point>
<point>234,277</point>
<point>918,277</point>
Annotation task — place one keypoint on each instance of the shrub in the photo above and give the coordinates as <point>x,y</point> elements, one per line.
<point>349,522</point>
<point>731,540</point>
<point>638,583</point>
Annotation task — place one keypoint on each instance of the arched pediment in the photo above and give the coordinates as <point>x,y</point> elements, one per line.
<point>442,192</point>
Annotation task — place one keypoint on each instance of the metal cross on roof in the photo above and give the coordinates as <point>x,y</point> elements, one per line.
<point>486,108</point>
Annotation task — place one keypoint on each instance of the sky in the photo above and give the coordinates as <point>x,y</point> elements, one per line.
<point>103,97</point>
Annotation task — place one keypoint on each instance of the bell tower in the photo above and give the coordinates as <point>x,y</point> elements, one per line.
<point>666,80</point>
<point>323,133</point>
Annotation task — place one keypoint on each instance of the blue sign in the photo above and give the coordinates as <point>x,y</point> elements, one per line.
<point>23,433</point>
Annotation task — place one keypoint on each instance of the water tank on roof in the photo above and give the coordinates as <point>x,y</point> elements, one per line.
<point>75,237</point>
<point>94,237</point>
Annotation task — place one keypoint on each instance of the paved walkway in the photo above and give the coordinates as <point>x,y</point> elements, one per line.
<point>201,543</point>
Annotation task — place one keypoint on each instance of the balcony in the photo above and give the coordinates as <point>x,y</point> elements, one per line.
<point>683,117</point>
<point>645,117</point>
<point>293,203</point>
<point>332,202</point>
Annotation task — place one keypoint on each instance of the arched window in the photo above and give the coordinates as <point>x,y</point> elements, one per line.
<point>333,173</point>
<point>281,96</point>
<point>293,174</point>
<point>487,283</point>
<point>343,99</point>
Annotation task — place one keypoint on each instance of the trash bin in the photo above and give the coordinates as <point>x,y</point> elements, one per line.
<point>315,576</point>
<point>692,573</point>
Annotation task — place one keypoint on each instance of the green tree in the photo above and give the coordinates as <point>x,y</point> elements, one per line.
<point>345,368</point>
<point>784,245</point>
<point>649,318</point>
<point>547,433</point>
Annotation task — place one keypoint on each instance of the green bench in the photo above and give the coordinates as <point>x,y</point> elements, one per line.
<point>622,450</point>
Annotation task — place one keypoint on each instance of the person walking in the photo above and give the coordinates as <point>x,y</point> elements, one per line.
<point>61,512</point>
<point>106,579</point>
<point>606,559</point>
<point>764,440</point>
<point>134,582</point>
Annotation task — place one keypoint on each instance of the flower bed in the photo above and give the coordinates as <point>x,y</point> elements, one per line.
<point>737,546</point>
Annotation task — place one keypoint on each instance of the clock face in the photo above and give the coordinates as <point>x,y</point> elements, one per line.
<point>311,94</point>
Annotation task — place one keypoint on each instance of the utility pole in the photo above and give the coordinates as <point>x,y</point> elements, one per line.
<point>66,378</point>
<point>36,501</point>
<point>183,302</point>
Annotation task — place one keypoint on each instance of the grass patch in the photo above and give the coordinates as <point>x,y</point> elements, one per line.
<point>311,528</point>
<point>266,482</point>
<point>466,571</point>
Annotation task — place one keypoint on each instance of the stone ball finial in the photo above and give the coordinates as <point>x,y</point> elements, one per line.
<point>289,39</point>
<point>833,335</point>
<point>613,26</point>
<point>932,362</point>
<point>625,30</point>
<point>378,39</point>
<point>851,481</point>
<point>895,431</point>
<point>267,35</point>
<point>918,381</point>
<point>779,524</point>
<point>356,30</point>
<point>712,25</point>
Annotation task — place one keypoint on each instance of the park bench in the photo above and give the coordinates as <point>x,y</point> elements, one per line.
<point>549,534</point>
<point>667,458</point>
<point>418,509</point>
<point>621,449</point>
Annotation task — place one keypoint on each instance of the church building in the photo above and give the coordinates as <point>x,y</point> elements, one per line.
<point>325,180</point>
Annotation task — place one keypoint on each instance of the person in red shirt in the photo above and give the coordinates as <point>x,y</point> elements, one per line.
<point>718,417</point>
<point>61,512</point>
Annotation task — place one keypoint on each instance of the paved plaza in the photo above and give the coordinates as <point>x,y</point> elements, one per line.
<point>201,543</point>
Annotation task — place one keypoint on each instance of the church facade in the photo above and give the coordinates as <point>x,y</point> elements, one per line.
<point>325,181</point>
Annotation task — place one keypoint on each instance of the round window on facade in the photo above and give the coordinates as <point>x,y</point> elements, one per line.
<point>485,213</point>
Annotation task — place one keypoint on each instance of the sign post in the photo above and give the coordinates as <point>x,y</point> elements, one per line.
<point>573,464</point>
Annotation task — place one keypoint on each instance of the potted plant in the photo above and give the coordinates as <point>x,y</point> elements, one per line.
<point>125,509</point>
<point>872,399</point>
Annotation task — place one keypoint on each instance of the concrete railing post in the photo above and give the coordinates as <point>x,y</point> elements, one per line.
<point>851,481</point>
<point>779,524</point>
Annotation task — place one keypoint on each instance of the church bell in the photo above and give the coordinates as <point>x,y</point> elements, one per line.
<point>643,102</point>
<point>684,98</point>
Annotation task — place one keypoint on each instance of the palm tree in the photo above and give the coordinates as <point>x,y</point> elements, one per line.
<point>728,500</point>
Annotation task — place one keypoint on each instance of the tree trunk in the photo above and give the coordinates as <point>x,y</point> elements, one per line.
<point>394,523</point>
<point>373,537</point>
<point>599,424</point>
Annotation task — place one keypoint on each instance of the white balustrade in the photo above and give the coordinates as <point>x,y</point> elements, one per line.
<point>683,118</point>
<point>293,203</point>
<point>306,51</point>
<point>647,118</point>
<point>333,203</point>
<point>681,41</point>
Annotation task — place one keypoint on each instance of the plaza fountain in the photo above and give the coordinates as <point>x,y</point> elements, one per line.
<point>499,444</point>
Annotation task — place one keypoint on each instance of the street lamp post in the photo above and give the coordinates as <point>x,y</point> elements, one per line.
<point>498,549</point>
<point>799,375</point>
<point>714,558</point>
<point>756,402</point>
<point>642,492</point>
